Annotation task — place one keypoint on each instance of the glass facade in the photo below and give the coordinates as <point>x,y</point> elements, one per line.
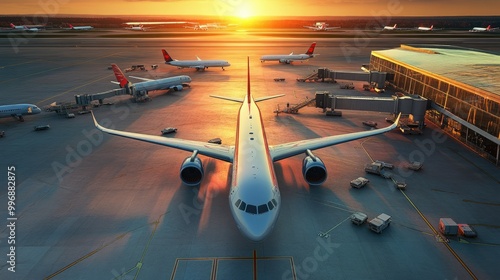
<point>468,103</point>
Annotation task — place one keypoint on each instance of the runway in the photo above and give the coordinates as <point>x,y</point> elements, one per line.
<point>94,206</point>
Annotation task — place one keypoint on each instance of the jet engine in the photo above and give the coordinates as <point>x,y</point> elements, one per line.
<point>177,88</point>
<point>313,169</point>
<point>287,61</point>
<point>192,170</point>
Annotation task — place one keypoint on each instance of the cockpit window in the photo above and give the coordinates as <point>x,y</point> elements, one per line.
<point>242,206</point>
<point>252,209</point>
<point>262,208</point>
<point>271,205</point>
<point>238,202</point>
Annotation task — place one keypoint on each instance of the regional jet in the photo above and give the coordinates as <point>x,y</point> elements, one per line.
<point>482,29</point>
<point>176,83</point>
<point>254,196</point>
<point>86,27</point>
<point>284,58</point>
<point>423,28</point>
<point>18,110</point>
<point>139,26</point>
<point>29,28</point>
<point>391,27</point>
<point>198,64</point>
<point>322,26</point>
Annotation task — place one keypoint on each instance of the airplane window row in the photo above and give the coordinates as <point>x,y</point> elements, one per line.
<point>252,209</point>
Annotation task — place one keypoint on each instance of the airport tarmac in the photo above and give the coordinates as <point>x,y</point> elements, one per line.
<point>94,206</point>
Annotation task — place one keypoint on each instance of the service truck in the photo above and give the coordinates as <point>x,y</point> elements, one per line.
<point>447,226</point>
<point>379,223</point>
<point>358,218</point>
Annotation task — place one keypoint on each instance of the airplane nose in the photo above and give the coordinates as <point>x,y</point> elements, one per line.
<point>37,110</point>
<point>257,227</point>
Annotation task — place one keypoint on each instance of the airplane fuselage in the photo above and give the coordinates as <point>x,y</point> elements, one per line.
<point>162,84</point>
<point>17,110</point>
<point>254,197</point>
<point>199,64</point>
<point>285,58</point>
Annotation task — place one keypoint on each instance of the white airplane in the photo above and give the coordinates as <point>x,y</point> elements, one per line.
<point>176,83</point>
<point>18,110</point>
<point>87,27</point>
<point>284,58</point>
<point>29,28</point>
<point>482,29</point>
<point>322,26</point>
<point>387,27</point>
<point>423,28</point>
<point>140,26</point>
<point>254,197</point>
<point>198,64</point>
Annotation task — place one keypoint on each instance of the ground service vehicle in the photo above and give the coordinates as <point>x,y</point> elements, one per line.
<point>379,223</point>
<point>358,218</point>
<point>447,226</point>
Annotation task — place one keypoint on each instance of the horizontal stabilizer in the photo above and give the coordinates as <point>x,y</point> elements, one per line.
<point>268,97</point>
<point>240,100</point>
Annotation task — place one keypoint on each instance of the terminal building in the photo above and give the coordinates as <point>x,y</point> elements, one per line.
<point>463,85</point>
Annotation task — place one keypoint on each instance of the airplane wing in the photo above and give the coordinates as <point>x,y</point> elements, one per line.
<point>332,28</point>
<point>282,151</point>
<point>222,152</point>
<point>311,27</point>
<point>155,22</point>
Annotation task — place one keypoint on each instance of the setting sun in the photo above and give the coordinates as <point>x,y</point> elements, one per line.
<point>245,12</point>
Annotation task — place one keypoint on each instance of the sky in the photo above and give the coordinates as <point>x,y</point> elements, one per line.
<point>253,8</point>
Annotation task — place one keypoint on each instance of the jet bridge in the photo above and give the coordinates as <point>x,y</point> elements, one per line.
<point>412,105</point>
<point>86,99</point>
<point>327,75</point>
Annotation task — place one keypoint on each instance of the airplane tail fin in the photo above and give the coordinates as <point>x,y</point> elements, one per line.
<point>166,56</point>
<point>120,77</point>
<point>432,26</point>
<point>12,25</point>
<point>310,51</point>
<point>395,25</point>
<point>488,28</point>
<point>71,26</point>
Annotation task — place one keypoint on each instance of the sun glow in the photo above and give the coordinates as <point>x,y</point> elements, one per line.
<point>244,12</point>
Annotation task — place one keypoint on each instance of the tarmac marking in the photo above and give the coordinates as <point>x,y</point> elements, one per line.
<point>215,261</point>
<point>57,68</point>
<point>84,257</point>
<point>75,88</point>
<point>457,257</point>
<point>479,202</point>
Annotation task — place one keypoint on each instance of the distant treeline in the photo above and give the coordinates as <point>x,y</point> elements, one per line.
<point>458,22</point>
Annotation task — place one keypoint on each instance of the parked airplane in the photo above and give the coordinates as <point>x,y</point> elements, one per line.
<point>18,110</point>
<point>176,83</point>
<point>140,26</point>
<point>198,64</point>
<point>87,27</point>
<point>322,26</point>
<point>391,27</point>
<point>423,28</point>
<point>254,197</point>
<point>482,29</point>
<point>284,58</point>
<point>29,28</point>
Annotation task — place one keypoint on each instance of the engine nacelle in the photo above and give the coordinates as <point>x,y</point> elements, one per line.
<point>314,170</point>
<point>287,61</point>
<point>177,88</point>
<point>192,171</point>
